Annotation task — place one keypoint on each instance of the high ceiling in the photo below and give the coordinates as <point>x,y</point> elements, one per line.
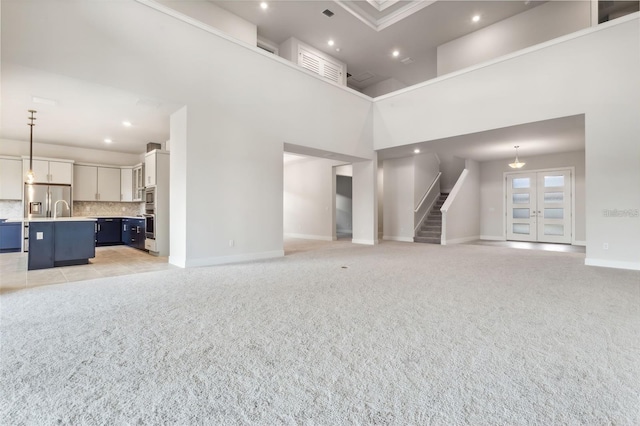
<point>74,111</point>
<point>366,36</point>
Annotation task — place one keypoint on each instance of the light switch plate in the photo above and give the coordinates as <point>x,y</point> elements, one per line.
<point>39,235</point>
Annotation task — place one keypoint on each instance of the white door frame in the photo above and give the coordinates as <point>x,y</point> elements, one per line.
<point>573,197</point>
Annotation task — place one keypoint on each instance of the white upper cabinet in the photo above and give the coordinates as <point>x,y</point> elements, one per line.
<point>150,169</point>
<point>93,183</point>
<point>85,183</point>
<point>10,179</point>
<point>49,171</point>
<point>108,184</point>
<point>126,184</point>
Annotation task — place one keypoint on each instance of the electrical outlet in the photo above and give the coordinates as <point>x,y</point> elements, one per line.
<point>605,246</point>
<point>39,235</point>
<point>231,243</point>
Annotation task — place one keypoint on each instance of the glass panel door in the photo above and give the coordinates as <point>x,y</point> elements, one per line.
<point>521,207</point>
<point>554,206</point>
<point>539,206</point>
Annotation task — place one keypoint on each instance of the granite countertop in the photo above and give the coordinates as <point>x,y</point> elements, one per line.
<point>50,219</point>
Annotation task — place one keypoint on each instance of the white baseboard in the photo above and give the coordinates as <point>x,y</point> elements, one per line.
<point>401,239</point>
<point>367,242</point>
<point>579,243</point>
<point>635,266</point>
<point>460,240</point>
<point>179,261</point>
<point>221,260</point>
<point>492,238</point>
<point>309,237</point>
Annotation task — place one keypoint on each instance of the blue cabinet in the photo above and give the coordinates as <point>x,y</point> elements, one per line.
<point>10,234</point>
<point>109,232</point>
<point>60,243</point>
<point>133,232</point>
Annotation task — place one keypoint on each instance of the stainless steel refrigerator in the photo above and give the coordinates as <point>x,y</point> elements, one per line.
<point>44,200</point>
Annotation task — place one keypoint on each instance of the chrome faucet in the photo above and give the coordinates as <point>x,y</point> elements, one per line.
<point>55,208</point>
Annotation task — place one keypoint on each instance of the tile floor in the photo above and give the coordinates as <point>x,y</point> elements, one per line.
<point>109,262</point>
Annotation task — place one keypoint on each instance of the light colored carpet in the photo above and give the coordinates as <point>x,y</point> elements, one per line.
<point>332,334</point>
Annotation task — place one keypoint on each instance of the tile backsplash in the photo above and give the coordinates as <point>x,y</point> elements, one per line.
<point>11,209</point>
<point>93,208</point>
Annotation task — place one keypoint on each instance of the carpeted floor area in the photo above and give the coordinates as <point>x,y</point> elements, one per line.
<point>333,333</point>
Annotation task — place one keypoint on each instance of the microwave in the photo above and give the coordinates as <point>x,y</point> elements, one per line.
<point>150,197</point>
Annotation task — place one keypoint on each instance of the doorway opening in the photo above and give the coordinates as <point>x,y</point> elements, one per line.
<point>540,205</point>
<point>344,202</point>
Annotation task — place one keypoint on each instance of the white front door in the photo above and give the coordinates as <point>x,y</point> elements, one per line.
<point>539,206</point>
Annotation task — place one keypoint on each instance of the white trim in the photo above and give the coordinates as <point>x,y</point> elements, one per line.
<point>59,160</point>
<point>460,240</point>
<point>522,52</point>
<point>366,242</point>
<point>212,30</point>
<point>635,266</point>
<point>179,261</point>
<point>579,243</point>
<point>310,237</point>
<point>221,260</point>
<point>492,238</point>
<point>401,239</point>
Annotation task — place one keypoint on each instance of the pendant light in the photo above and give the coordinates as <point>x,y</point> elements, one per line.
<point>516,164</point>
<point>31,177</point>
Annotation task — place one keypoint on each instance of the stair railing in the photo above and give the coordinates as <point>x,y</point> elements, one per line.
<point>429,197</point>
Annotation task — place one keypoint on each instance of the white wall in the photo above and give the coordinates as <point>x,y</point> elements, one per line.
<point>82,155</point>
<point>542,23</point>
<point>365,201</point>
<point>461,210</point>
<point>427,167</point>
<point>383,87</point>
<point>178,211</point>
<point>492,197</point>
<point>593,72</point>
<point>451,167</point>
<point>308,198</point>
<point>210,14</point>
<point>398,202</point>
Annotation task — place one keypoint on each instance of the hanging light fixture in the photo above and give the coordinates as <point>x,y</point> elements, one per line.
<point>516,164</point>
<point>31,177</point>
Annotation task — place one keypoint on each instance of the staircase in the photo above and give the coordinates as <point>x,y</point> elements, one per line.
<point>431,229</point>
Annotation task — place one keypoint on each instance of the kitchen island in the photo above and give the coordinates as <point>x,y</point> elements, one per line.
<point>62,241</point>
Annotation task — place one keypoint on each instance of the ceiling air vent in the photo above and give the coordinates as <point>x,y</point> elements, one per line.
<point>362,77</point>
<point>407,61</point>
<point>328,13</point>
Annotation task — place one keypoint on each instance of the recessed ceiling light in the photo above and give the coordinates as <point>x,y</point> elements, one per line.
<point>395,53</point>
<point>331,42</point>
<point>476,18</point>
<point>337,49</point>
<point>416,151</point>
<point>126,123</point>
<point>107,140</point>
<point>264,5</point>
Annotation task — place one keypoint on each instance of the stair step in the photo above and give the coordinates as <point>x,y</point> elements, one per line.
<point>433,234</point>
<point>426,240</point>
<point>431,228</point>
